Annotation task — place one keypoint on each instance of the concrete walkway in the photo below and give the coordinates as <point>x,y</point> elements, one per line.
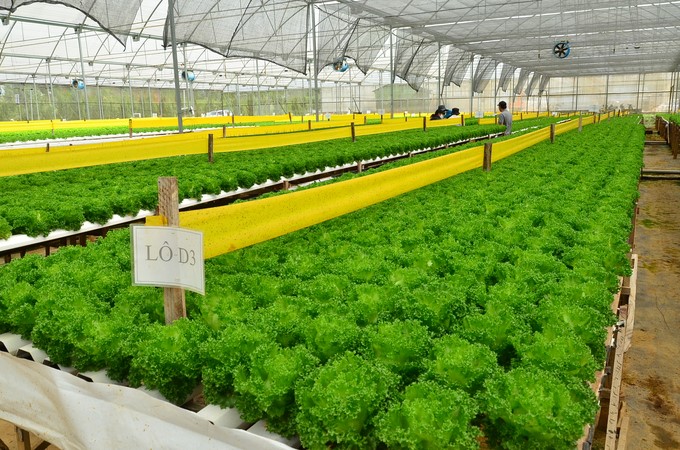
<point>651,369</point>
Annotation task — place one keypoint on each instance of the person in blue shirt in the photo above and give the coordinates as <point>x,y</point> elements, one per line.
<point>443,113</point>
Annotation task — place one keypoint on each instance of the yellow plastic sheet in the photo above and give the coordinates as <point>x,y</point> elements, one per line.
<point>236,226</point>
<point>231,227</point>
<point>32,160</point>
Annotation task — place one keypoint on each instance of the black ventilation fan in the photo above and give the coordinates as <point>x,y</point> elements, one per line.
<point>561,49</point>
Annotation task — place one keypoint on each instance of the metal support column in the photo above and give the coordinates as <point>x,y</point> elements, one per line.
<point>35,95</point>
<point>175,65</point>
<point>257,80</point>
<point>577,80</point>
<point>82,73</point>
<point>309,90</point>
<point>440,88</point>
<point>495,87</point>
<point>49,74</point>
<point>150,100</point>
<point>132,100</point>
<point>99,99</point>
<point>382,94</point>
<point>32,90</point>
<point>606,94</point>
<point>238,96</point>
<point>472,84</point>
<point>316,61</point>
<point>392,74</point>
<point>188,85</point>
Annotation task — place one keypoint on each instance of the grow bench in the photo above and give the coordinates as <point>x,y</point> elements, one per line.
<point>18,248</point>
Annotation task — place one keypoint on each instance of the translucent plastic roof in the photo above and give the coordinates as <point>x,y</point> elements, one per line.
<point>269,42</point>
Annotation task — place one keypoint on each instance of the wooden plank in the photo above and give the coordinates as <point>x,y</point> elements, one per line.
<point>615,393</point>
<point>23,439</point>
<point>624,425</point>
<point>630,322</point>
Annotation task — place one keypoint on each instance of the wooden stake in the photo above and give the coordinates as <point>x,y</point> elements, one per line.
<point>462,120</point>
<point>424,123</point>
<point>309,125</point>
<point>168,207</point>
<point>130,126</point>
<point>47,150</point>
<point>233,119</point>
<point>210,148</point>
<point>381,118</point>
<point>224,131</point>
<point>354,135</point>
<point>552,133</point>
<point>488,147</point>
<point>290,117</point>
<point>365,120</point>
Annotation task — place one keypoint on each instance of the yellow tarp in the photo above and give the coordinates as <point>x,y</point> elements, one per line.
<point>32,160</point>
<point>232,227</point>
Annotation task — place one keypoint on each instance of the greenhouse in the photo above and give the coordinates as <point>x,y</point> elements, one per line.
<point>346,224</point>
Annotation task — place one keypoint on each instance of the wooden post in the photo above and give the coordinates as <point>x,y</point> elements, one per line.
<point>552,133</point>
<point>233,119</point>
<point>224,131</point>
<point>23,439</point>
<point>424,123</point>
<point>381,118</point>
<point>487,156</point>
<point>354,136</point>
<point>354,116</point>
<point>47,149</point>
<point>290,117</point>
<point>168,208</point>
<point>580,123</point>
<point>210,148</point>
<point>309,125</point>
<point>521,116</point>
<point>365,120</point>
<point>130,126</point>
<point>462,120</point>
<point>405,118</point>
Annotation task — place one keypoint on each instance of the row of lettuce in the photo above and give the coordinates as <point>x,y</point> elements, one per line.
<point>470,311</point>
<point>66,133</point>
<point>36,204</point>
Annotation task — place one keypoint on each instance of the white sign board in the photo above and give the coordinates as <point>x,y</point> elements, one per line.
<point>167,256</point>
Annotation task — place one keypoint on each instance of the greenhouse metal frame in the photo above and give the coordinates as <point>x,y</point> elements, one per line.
<point>467,54</point>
